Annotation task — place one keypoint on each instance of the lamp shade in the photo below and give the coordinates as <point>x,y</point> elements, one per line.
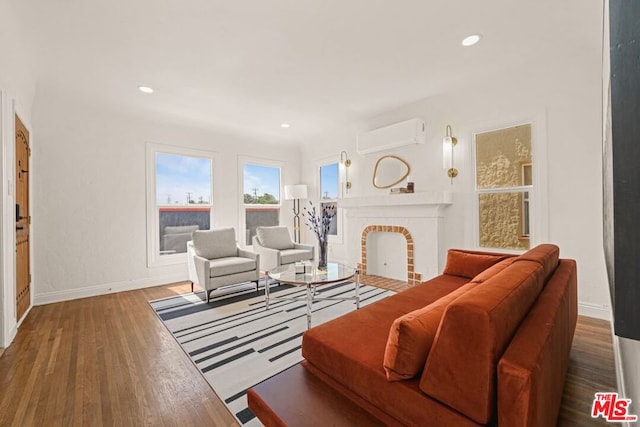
<point>298,191</point>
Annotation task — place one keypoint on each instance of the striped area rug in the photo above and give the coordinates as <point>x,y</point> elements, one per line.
<point>236,342</point>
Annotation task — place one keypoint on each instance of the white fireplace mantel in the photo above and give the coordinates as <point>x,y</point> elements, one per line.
<point>428,198</point>
<point>421,214</point>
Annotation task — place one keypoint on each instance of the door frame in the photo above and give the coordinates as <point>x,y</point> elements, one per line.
<point>8,322</point>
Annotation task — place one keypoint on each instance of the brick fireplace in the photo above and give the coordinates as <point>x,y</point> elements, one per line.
<point>413,278</point>
<point>417,217</point>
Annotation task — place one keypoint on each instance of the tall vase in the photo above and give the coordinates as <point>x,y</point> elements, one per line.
<point>322,256</point>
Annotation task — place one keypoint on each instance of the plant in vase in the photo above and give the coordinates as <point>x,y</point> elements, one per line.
<point>320,223</point>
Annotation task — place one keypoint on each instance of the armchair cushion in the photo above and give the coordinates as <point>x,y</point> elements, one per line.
<point>230,265</point>
<point>218,243</point>
<point>289,256</point>
<point>275,237</point>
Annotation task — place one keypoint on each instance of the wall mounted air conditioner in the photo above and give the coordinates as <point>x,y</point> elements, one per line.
<point>397,135</point>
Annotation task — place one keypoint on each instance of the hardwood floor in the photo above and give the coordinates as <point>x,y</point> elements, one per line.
<point>108,360</point>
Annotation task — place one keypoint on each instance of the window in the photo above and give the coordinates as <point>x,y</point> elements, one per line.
<point>181,183</point>
<point>261,184</point>
<point>329,185</point>
<point>504,182</point>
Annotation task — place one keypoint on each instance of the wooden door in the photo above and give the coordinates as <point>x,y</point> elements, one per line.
<point>23,221</point>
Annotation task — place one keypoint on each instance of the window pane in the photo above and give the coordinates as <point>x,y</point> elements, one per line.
<point>333,225</point>
<point>503,157</point>
<point>257,217</point>
<point>182,180</point>
<point>261,184</point>
<point>182,183</point>
<point>177,224</point>
<point>261,187</point>
<point>504,218</point>
<point>329,181</point>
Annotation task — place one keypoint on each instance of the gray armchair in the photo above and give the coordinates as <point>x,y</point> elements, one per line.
<point>275,247</point>
<point>215,260</point>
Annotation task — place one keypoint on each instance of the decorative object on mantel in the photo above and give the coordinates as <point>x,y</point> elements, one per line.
<point>295,193</point>
<point>319,223</point>
<point>448,142</point>
<point>404,190</point>
<point>410,185</point>
<point>390,171</point>
<point>346,162</point>
<point>400,190</point>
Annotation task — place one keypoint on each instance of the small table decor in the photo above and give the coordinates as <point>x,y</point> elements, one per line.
<point>320,223</point>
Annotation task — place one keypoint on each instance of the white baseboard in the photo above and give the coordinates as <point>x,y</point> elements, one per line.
<point>106,288</point>
<point>593,310</point>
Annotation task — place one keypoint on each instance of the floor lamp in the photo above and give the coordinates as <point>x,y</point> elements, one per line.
<point>295,193</point>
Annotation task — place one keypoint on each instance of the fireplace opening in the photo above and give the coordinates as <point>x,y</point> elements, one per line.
<point>387,255</point>
<point>382,256</point>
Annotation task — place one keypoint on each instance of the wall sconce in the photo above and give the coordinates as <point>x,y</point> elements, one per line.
<point>448,142</point>
<point>346,162</point>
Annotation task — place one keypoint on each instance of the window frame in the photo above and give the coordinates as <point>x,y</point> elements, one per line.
<point>154,259</point>
<point>538,191</point>
<point>339,237</point>
<point>242,217</point>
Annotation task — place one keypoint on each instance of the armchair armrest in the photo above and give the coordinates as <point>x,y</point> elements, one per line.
<point>311,248</point>
<point>248,254</point>
<point>202,270</point>
<point>269,258</point>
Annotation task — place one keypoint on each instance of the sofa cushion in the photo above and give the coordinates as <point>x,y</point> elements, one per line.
<point>411,336</point>
<point>218,243</point>
<point>546,255</point>
<point>474,332</point>
<point>230,265</point>
<point>493,270</point>
<point>276,237</point>
<point>469,263</point>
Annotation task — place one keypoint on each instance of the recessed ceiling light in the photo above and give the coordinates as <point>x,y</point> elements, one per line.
<point>285,125</point>
<point>471,40</point>
<point>145,89</point>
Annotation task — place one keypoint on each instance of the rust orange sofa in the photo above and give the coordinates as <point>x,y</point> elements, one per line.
<point>486,342</point>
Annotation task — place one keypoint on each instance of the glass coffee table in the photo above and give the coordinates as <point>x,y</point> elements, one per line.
<point>311,279</point>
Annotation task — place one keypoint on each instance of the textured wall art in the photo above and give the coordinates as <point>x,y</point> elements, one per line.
<point>504,163</point>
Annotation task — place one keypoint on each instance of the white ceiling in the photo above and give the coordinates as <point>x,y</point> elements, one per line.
<point>249,65</point>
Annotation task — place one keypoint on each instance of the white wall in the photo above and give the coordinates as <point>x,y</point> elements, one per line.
<point>90,194</point>
<point>17,87</point>
<point>563,97</point>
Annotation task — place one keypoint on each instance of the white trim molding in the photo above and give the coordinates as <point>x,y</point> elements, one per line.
<point>107,288</point>
<point>594,310</point>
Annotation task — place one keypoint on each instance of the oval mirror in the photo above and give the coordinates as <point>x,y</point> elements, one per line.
<point>389,171</point>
